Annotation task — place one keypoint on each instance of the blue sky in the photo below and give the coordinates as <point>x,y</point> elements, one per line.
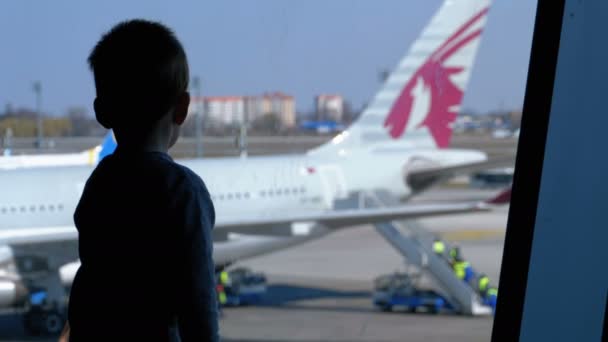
<point>247,47</point>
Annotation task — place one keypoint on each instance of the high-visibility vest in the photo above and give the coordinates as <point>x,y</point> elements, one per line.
<point>483,283</point>
<point>454,252</point>
<point>493,292</point>
<point>224,278</point>
<point>222,297</point>
<point>438,247</point>
<point>221,294</point>
<point>460,269</point>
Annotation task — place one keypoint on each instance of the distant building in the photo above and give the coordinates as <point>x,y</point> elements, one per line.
<point>234,110</point>
<point>329,107</point>
<point>281,105</point>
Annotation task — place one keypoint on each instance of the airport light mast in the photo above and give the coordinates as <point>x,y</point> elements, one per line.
<point>196,85</point>
<point>39,136</point>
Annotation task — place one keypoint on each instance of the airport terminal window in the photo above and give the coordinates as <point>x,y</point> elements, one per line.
<point>280,61</point>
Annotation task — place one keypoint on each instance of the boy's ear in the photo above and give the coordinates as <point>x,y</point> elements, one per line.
<point>181,108</point>
<point>101,113</point>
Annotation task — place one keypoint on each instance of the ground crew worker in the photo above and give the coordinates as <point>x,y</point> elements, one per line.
<point>224,278</point>
<point>224,282</point>
<point>438,247</point>
<point>222,299</point>
<point>455,253</point>
<point>482,284</point>
<point>491,297</point>
<point>462,269</point>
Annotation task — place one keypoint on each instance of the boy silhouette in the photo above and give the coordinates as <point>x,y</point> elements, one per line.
<point>144,221</point>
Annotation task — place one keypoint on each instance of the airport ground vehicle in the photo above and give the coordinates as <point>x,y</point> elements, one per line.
<point>246,287</point>
<point>400,290</point>
<point>42,318</point>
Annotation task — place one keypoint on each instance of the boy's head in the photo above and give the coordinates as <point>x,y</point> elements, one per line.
<point>141,77</point>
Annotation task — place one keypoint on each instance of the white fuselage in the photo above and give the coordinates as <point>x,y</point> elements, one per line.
<point>88,157</point>
<point>241,188</point>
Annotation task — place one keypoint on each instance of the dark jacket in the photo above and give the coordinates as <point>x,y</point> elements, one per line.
<point>145,245</point>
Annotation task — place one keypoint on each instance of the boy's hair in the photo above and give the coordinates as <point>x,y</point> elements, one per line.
<point>140,69</point>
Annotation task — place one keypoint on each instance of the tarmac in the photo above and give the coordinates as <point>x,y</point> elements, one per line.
<point>320,291</point>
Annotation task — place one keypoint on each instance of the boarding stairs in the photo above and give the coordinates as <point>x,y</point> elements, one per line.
<point>414,242</point>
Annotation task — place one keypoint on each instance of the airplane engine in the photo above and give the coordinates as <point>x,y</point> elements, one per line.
<point>12,293</point>
<point>418,163</point>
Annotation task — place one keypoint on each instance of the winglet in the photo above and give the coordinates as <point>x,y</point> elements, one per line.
<point>504,197</point>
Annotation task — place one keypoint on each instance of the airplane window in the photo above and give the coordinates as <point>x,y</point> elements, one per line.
<point>13,209</point>
<point>60,207</point>
<point>22,209</point>
<point>51,207</point>
<point>229,196</point>
<point>303,189</point>
<point>279,192</point>
<point>221,196</point>
<point>270,192</point>
<point>41,208</point>
<point>32,208</point>
<point>286,191</point>
<point>263,193</point>
<point>246,195</point>
<point>294,190</point>
<point>3,210</point>
<point>237,195</point>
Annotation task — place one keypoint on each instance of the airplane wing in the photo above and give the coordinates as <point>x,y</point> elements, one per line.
<point>31,236</point>
<point>331,219</point>
<point>423,178</point>
<point>350,217</point>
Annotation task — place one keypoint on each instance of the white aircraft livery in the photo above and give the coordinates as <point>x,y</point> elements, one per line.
<point>91,156</point>
<point>399,146</point>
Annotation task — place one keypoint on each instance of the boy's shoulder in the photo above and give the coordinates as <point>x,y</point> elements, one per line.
<point>161,164</point>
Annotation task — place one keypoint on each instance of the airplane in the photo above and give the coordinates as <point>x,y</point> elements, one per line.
<point>91,156</point>
<point>398,146</point>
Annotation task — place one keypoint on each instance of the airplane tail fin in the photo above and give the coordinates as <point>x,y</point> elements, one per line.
<point>97,153</point>
<point>420,99</point>
<point>107,146</point>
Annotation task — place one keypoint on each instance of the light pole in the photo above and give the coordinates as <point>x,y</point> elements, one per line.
<point>39,136</point>
<point>198,127</point>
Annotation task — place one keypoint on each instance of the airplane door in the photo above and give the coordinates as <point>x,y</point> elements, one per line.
<point>334,185</point>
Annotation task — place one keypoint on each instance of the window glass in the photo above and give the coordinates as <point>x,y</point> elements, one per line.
<point>324,100</point>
